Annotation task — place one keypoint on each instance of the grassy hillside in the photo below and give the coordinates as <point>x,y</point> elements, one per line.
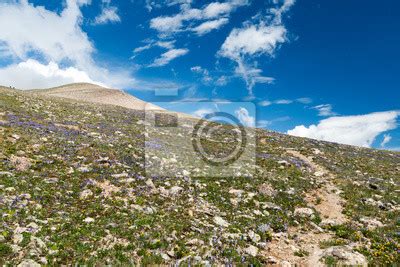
<point>73,189</point>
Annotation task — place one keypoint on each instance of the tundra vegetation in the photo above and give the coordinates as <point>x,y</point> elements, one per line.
<point>73,190</point>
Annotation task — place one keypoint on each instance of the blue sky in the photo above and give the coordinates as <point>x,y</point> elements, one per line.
<point>320,69</point>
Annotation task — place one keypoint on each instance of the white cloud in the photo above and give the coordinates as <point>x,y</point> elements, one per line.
<point>32,74</point>
<point>283,102</point>
<point>221,81</point>
<point>209,26</point>
<point>304,100</point>
<point>109,14</point>
<point>251,75</point>
<point>325,110</point>
<point>203,112</point>
<point>205,74</point>
<point>244,117</point>
<point>359,130</point>
<point>182,21</point>
<point>253,40</point>
<point>152,43</point>
<point>54,37</point>
<point>168,56</point>
<point>386,139</point>
<point>264,103</point>
<point>57,37</point>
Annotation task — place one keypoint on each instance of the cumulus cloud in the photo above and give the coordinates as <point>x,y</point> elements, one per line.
<point>54,37</point>
<point>244,117</point>
<point>324,110</point>
<point>359,130</point>
<point>168,56</point>
<point>253,40</point>
<point>32,73</point>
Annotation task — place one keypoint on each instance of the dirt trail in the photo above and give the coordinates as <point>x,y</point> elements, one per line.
<point>327,201</point>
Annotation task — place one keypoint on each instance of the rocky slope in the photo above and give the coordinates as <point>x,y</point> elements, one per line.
<point>96,94</point>
<point>73,189</point>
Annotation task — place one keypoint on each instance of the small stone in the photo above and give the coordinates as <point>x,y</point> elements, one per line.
<point>237,192</point>
<point>328,223</point>
<point>20,163</point>
<point>251,250</point>
<point>175,190</point>
<point>150,183</point>
<point>88,220</point>
<point>28,263</point>
<point>263,228</point>
<point>346,256</point>
<point>371,223</point>
<point>221,222</point>
<point>304,212</point>
<point>85,194</point>
<point>254,237</point>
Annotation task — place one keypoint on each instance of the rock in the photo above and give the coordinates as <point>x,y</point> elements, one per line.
<point>266,190</point>
<point>84,169</point>
<point>272,260</point>
<point>283,162</point>
<point>165,257</point>
<point>88,220</point>
<point>85,194</point>
<point>221,222</point>
<point>285,264</point>
<point>28,263</point>
<point>263,228</point>
<point>20,163</point>
<point>236,192</point>
<point>346,256</point>
<point>254,237</point>
<point>175,190</point>
<point>150,183</point>
<point>251,250</point>
<point>32,227</point>
<point>304,212</point>
<point>371,223</point>
<point>319,173</point>
<point>328,223</point>
<point>17,238</point>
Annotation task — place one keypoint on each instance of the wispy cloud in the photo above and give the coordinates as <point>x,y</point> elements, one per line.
<point>168,56</point>
<point>325,110</point>
<point>211,16</point>
<point>386,139</point>
<point>109,14</point>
